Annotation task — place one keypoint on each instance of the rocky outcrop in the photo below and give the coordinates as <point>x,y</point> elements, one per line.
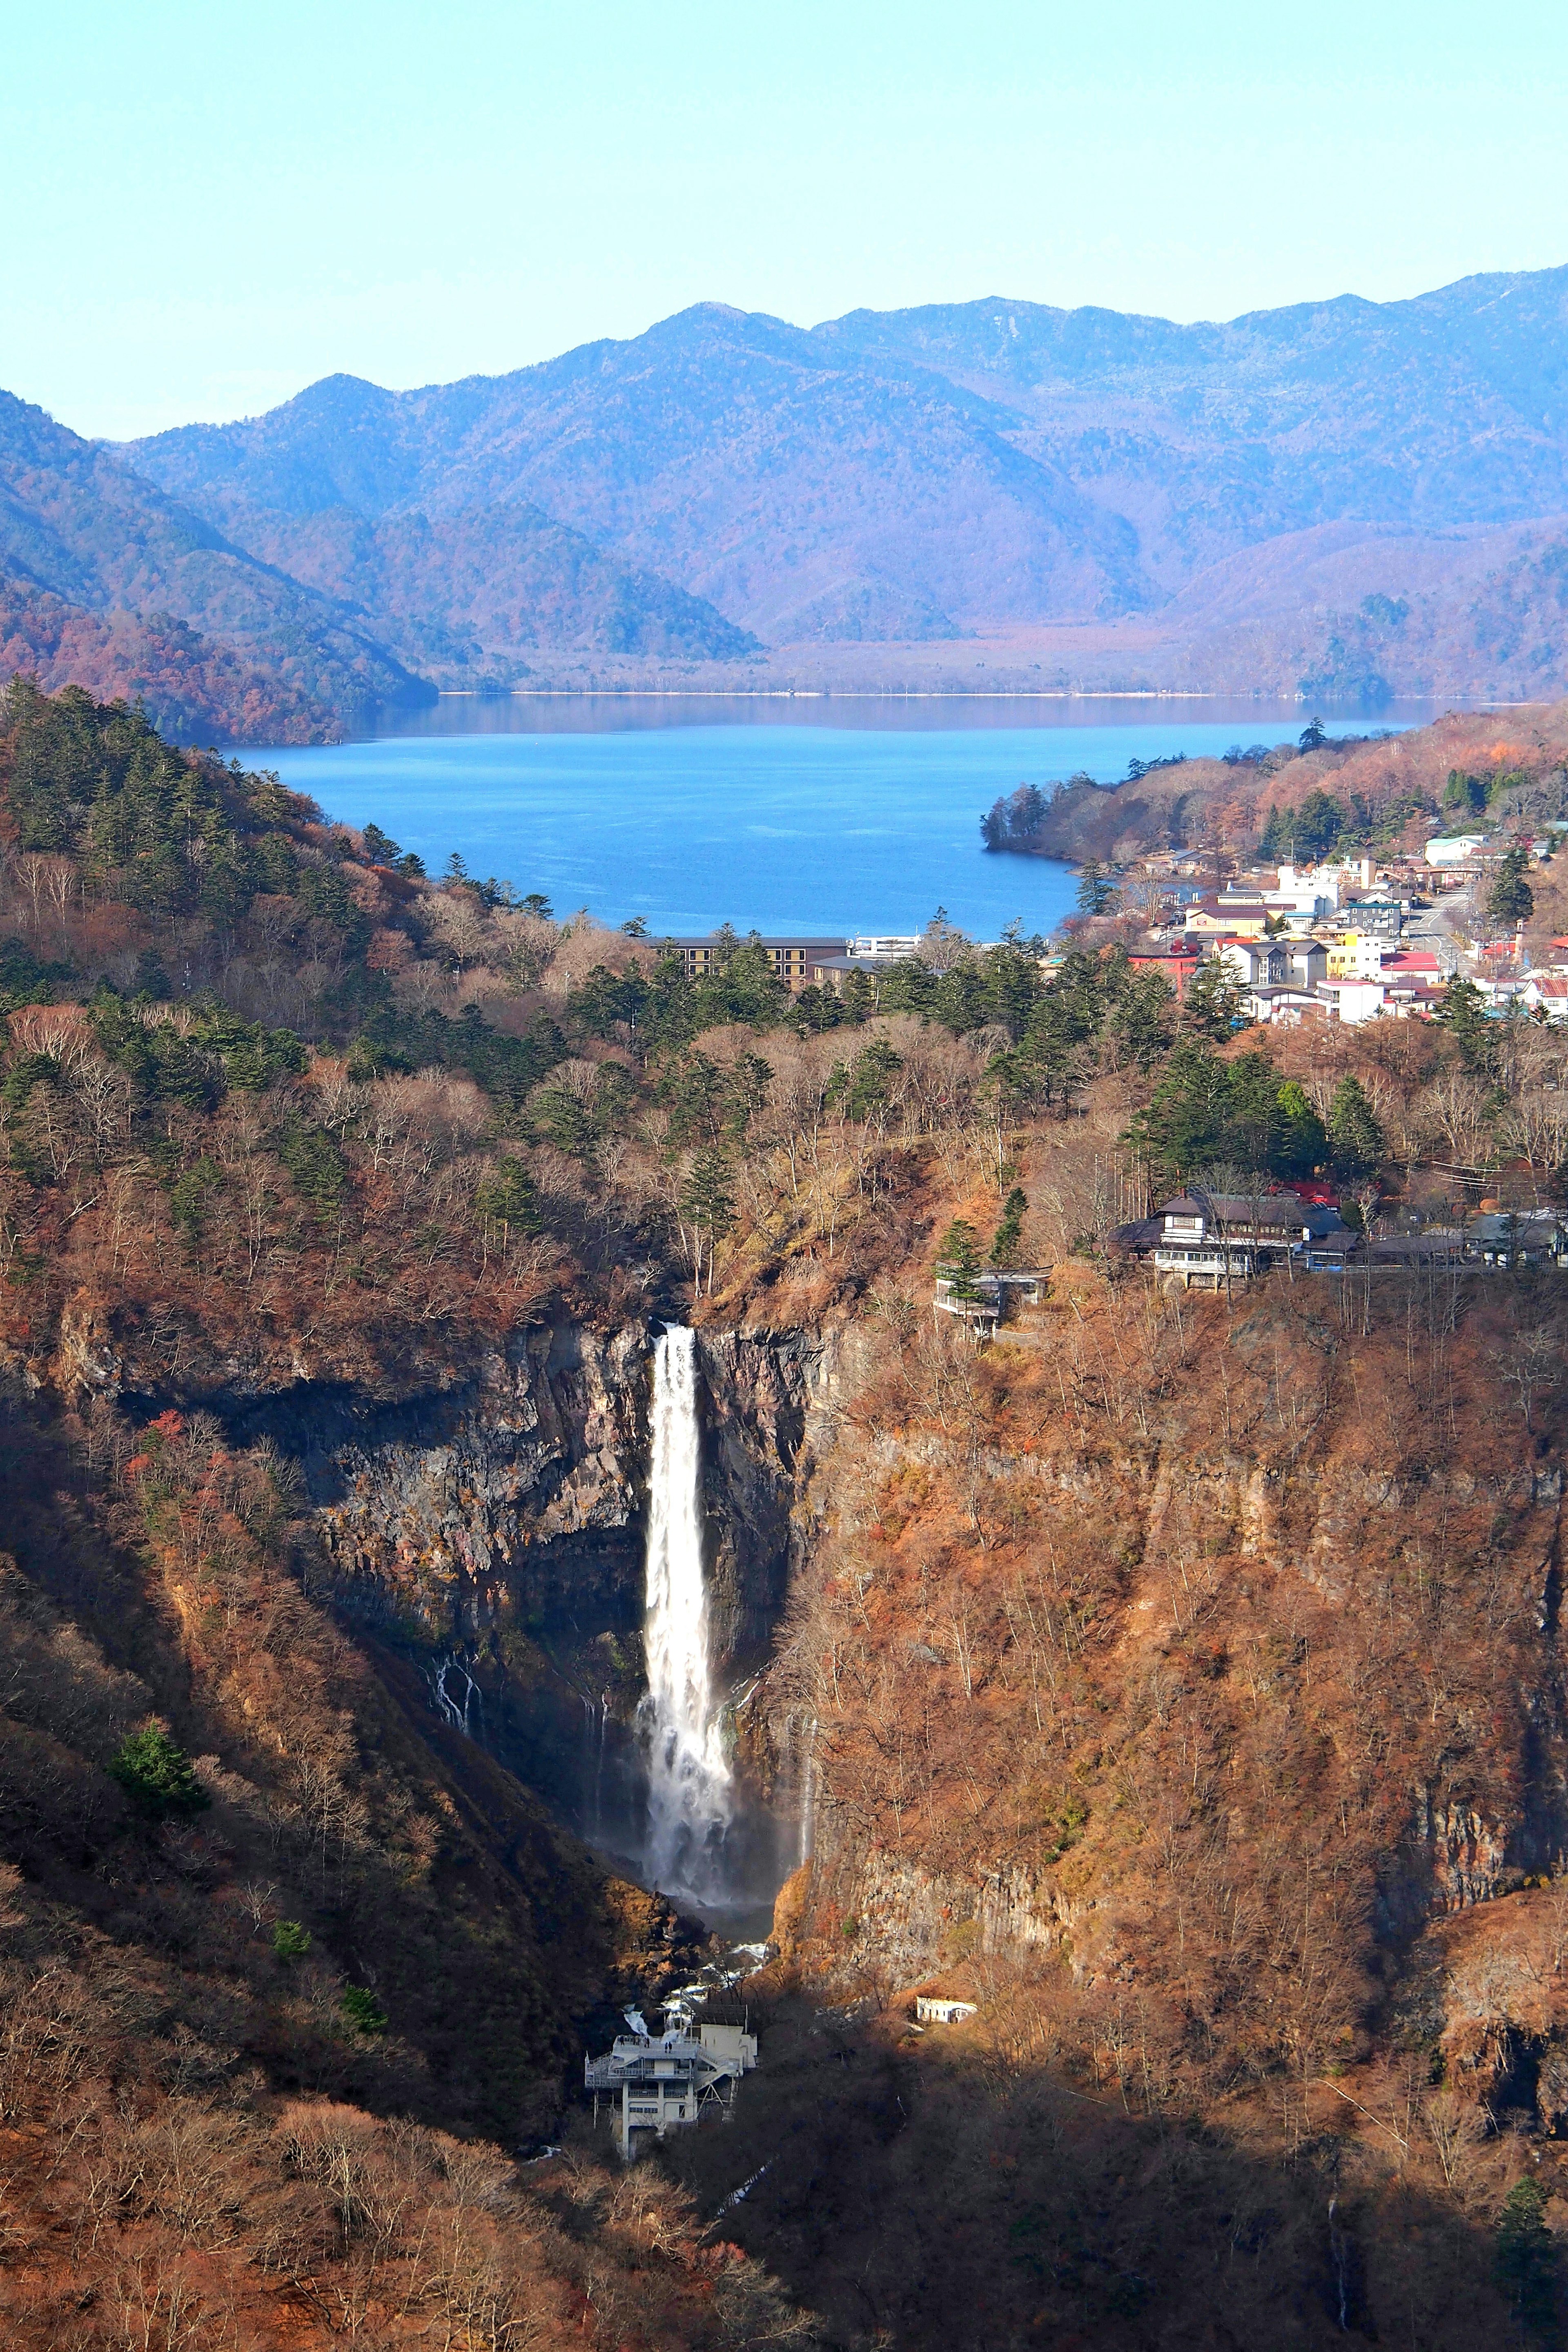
<point>492,1528</point>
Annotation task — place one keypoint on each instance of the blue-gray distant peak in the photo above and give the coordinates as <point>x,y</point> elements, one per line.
<point>927,472</point>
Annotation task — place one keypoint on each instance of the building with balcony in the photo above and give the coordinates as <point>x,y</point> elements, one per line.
<point>660,2082</point>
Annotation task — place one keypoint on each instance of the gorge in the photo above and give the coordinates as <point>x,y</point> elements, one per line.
<point>391,1514</point>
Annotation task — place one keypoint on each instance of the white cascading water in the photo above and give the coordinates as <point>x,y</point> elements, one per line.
<point>691,1791</point>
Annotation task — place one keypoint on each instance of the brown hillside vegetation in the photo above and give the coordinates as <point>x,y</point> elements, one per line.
<point>1168,1681</point>
<point>1183,1688</point>
<point>195,691</point>
<point>1204,803</point>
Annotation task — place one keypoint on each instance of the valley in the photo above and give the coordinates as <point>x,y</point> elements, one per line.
<point>489,1490</point>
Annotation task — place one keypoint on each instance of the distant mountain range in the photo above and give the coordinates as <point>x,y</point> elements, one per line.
<point>1345,498</point>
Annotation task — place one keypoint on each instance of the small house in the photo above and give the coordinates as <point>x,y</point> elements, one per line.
<point>936,2008</point>
<point>995,1300</point>
<point>1507,1239</point>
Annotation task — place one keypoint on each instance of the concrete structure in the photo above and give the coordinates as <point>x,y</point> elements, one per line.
<point>663,2082</point>
<point>1006,1304</point>
<point>935,2009</point>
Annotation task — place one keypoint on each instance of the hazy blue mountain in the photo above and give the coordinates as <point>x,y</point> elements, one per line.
<point>1450,408</point>
<point>805,492</point>
<point>924,472</point>
<point>80,532</point>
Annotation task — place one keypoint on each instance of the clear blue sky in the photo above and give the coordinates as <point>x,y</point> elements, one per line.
<point>208,206</point>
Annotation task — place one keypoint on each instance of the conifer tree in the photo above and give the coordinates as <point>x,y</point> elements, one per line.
<point>1009,1230</point>
<point>1510,898</point>
<point>1354,1136</point>
<point>959,1261</point>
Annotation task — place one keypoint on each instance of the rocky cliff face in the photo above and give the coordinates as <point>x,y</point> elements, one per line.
<point>1464,1833</point>
<point>492,1529</point>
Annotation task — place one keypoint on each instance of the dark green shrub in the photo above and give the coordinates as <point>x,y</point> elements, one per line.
<point>157,1774</point>
<point>290,1941</point>
<point>364,2012</point>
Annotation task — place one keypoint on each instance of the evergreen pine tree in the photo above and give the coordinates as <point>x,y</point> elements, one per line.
<point>1354,1136</point>
<point>959,1261</point>
<point>1510,898</point>
<point>1009,1232</point>
<point>157,1774</point>
<point>1464,1016</point>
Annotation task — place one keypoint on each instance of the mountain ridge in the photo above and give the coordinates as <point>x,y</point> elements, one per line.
<point>1058,500</point>
<point>938,471</point>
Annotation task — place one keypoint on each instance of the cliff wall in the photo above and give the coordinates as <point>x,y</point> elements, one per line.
<point>491,1526</point>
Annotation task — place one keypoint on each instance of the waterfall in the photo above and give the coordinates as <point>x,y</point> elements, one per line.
<point>447,1705</point>
<point>689,1790</point>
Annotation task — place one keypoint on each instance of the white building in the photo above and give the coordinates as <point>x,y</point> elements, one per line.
<point>1353,1000</point>
<point>662,2081</point>
<point>889,950</point>
<point>1452,848</point>
<point>935,2009</point>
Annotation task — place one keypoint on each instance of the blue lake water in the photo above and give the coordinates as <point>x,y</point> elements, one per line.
<point>829,817</point>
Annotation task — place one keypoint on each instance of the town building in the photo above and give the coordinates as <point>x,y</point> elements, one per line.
<point>1354,1001</point>
<point>1454,848</point>
<point>832,971</point>
<point>1511,1238</point>
<point>1354,955</point>
<point>660,2082</point>
<point>1283,1008</point>
<point>791,958</point>
<point>1212,1239</point>
<point>1299,963</point>
<point>1546,995</point>
<point>1246,919</point>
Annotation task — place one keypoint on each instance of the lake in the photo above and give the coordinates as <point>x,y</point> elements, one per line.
<point>824,815</point>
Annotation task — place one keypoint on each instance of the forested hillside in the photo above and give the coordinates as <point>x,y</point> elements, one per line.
<point>105,568</point>
<point>1380,791</point>
<point>1183,1687</point>
<point>268,632</point>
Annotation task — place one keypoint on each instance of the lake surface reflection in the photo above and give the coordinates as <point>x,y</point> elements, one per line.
<point>828,816</point>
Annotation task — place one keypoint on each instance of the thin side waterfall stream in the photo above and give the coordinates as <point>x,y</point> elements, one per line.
<point>690,1785</point>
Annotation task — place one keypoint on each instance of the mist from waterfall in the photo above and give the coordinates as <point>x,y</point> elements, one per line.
<point>691,1787</point>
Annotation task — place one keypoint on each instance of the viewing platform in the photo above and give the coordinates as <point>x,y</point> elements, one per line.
<point>663,2082</point>
<point>996,1303</point>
